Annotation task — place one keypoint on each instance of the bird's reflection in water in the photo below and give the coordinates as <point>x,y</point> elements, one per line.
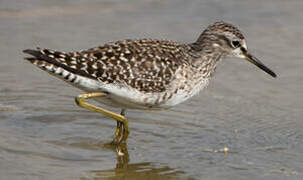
<point>127,171</point>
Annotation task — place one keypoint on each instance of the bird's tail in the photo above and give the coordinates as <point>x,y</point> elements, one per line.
<point>66,66</point>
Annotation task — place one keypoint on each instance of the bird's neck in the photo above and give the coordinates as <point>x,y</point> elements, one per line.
<point>205,58</point>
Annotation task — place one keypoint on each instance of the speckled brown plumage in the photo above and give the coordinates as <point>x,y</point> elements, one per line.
<point>145,64</point>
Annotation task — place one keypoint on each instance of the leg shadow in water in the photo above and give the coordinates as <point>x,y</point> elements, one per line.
<point>128,171</point>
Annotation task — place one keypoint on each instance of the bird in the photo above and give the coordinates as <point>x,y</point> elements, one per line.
<point>146,74</point>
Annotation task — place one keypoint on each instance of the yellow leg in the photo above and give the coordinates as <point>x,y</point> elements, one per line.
<point>121,120</point>
<point>125,131</point>
<point>119,128</point>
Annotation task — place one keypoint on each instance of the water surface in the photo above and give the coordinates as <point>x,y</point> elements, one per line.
<point>44,135</point>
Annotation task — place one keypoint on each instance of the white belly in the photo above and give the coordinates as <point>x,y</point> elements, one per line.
<point>121,96</point>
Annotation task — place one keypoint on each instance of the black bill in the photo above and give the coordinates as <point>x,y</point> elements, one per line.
<point>258,63</point>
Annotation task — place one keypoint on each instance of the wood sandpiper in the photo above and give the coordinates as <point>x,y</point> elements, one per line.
<point>144,73</point>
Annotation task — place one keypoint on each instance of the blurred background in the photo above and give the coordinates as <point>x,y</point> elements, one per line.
<point>44,135</point>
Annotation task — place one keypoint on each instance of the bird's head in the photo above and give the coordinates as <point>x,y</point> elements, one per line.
<point>229,40</point>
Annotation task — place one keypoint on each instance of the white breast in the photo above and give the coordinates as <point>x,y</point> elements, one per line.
<point>184,95</point>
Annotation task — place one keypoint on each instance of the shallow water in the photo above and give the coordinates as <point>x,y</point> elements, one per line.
<point>44,135</point>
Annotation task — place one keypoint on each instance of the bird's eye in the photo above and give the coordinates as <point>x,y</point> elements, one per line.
<point>235,44</point>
